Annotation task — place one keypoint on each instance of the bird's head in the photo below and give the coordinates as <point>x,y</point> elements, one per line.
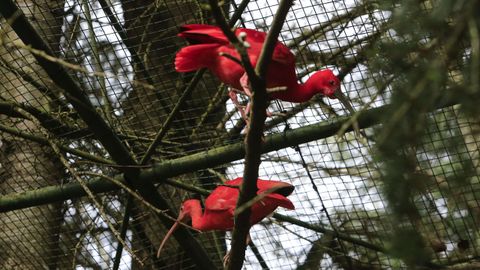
<point>184,215</point>
<point>324,82</point>
<point>187,208</point>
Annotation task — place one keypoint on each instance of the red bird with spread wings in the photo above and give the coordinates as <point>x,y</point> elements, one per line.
<point>210,48</point>
<point>220,206</point>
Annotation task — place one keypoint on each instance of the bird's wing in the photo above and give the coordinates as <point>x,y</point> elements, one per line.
<point>203,33</point>
<point>281,53</point>
<point>196,56</point>
<point>222,198</point>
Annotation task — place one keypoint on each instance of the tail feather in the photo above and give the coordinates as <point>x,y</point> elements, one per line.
<point>195,57</point>
<point>281,201</point>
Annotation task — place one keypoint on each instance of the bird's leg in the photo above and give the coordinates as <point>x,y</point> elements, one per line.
<point>272,114</point>
<point>246,88</point>
<point>248,107</point>
<point>247,120</point>
<point>276,89</point>
<point>226,258</point>
<point>233,96</point>
<point>245,83</point>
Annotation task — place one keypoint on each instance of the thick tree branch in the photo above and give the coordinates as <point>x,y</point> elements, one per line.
<point>202,160</point>
<point>252,144</point>
<point>253,140</point>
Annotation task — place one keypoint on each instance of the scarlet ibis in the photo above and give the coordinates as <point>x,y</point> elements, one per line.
<point>212,50</point>
<point>220,206</point>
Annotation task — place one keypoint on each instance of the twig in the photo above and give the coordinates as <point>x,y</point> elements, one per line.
<point>166,126</point>
<point>142,68</point>
<point>353,119</point>
<point>48,121</point>
<point>18,44</point>
<point>89,192</point>
<point>258,255</point>
<point>239,46</point>
<point>238,12</point>
<point>52,95</point>
<point>241,208</point>
<point>97,63</point>
<point>79,242</point>
<point>320,229</point>
<point>218,100</point>
<point>44,141</point>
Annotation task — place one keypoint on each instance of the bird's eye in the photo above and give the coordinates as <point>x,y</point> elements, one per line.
<point>331,82</point>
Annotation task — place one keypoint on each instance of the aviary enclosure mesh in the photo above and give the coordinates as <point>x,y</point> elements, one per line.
<point>403,193</point>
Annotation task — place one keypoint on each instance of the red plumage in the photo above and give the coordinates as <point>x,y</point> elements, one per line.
<point>222,201</point>
<point>220,206</point>
<point>208,42</point>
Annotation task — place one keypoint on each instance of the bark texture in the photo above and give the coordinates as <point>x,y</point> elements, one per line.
<point>29,237</point>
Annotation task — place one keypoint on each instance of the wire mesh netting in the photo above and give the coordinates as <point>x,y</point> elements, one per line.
<point>102,140</point>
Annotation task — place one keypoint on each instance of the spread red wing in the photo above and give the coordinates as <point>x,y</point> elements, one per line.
<point>196,56</point>
<point>201,33</point>
<point>225,198</point>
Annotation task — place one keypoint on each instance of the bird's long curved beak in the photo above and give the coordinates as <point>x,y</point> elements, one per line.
<point>180,218</point>
<point>347,104</point>
<point>345,101</point>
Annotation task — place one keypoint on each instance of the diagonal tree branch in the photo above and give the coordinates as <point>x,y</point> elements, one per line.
<point>44,141</point>
<point>105,134</point>
<point>136,58</point>
<point>48,121</point>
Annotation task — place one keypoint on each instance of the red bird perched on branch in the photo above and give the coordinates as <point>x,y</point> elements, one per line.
<point>220,206</point>
<point>211,49</point>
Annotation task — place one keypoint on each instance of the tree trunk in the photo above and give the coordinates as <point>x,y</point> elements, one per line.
<point>29,237</point>
<point>151,30</point>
